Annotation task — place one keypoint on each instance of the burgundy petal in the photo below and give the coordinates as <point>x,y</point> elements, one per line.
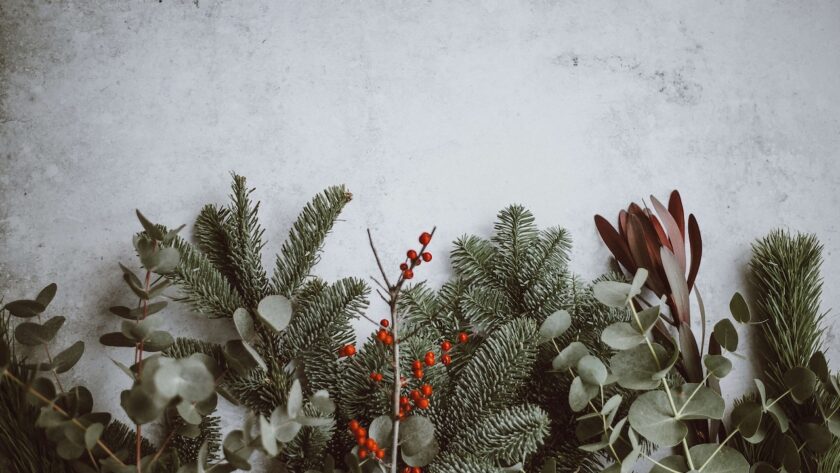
<point>696,244</point>
<point>615,243</point>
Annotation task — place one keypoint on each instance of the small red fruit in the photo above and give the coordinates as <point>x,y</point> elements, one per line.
<point>427,256</point>
<point>425,238</point>
<point>411,254</point>
<point>416,365</point>
<point>363,453</point>
<point>426,390</point>
<point>354,425</point>
<point>463,337</point>
<point>446,359</point>
<point>415,394</point>
<point>403,267</point>
<point>371,444</point>
<point>384,322</point>
<point>388,340</point>
<point>377,377</point>
<point>408,274</point>
<point>348,350</point>
<point>422,403</point>
<point>418,373</point>
<point>380,454</point>
<point>430,358</point>
<point>360,440</point>
<point>361,432</point>
<point>404,400</point>
<point>446,345</point>
<point>416,469</point>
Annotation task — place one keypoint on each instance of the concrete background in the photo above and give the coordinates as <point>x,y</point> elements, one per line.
<point>431,112</point>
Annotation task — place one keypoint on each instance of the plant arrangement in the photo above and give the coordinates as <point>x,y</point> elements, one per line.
<point>515,364</point>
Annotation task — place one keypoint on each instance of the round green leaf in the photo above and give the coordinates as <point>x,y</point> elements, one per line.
<point>591,370</point>
<point>802,382</point>
<point>46,295</point>
<point>416,433</point>
<point>739,308</point>
<point>244,325</point>
<point>611,404</point>
<point>321,401</point>
<point>69,357</point>
<point>295,400</point>
<point>555,325</point>
<point>726,335</point>
<point>779,416</point>
<point>116,339</point>
<point>141,406</point>
<point>718,459</point>
<point>423,457</point>
<point>92,434</point>
<point>237,451</point>
<point>580,394</point>
<point>44,387</point>
<point>718,365</point>
<point>158,341</point>
<point>33,334</point>
<point>621,336</point>
<point>569,356</point>
<point>24,308</point>
<point>696,401</point>
<point>816,436</point>
<point>763,467</point>
<point>267,437</point>
<point>611,293</point>
<point>651,416</point>
<point>380,429</point>
<point>746,417</point>
<point>819,366</point>
<point>636,368</point>
<point>275,311</point>
<point>242,357</point>
<point>165,260</point>
<point>647,319</point>
<point>786,452</point>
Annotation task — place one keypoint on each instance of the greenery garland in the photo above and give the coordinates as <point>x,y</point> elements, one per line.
<point>513,365</point>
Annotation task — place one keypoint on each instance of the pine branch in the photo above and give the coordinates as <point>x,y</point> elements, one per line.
<point>213,240</point>
<point>301,251</point>
<point>459,463</point>
<point>245,236</point>
<point>506,436</point>
<point>474,260</point>
<point>203,286</point>
<point>515,238</point>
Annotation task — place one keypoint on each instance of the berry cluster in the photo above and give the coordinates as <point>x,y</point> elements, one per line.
<point>383,334</point>
<point>367,445</point>
<point>413,259</point>
<point>418,398</point>
<point>347,350</point>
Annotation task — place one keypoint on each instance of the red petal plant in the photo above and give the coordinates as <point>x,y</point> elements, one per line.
<point>656,240</point>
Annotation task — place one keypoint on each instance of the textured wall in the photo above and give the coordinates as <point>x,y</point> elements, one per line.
<point>432,112</point>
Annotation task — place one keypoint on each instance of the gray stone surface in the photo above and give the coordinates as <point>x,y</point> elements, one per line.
<point>432,112</point>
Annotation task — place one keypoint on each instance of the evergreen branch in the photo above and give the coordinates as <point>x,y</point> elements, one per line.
<point>213,239</point>
<point>474,259</point>
<point>245,236</point>
<point>506,436</point>
<point>300,252</point>
<point>203,286</point>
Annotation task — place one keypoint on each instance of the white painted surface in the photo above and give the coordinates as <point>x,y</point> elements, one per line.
<point>431,112</point>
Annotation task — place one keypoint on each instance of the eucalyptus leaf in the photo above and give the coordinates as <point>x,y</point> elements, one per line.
<point>423,457</point>
<point>819,366</point>
<point>244,325</point>
<point>817,437</point>
<point>33,334</point>
<point>635,368</point>
<point>801,382</point>
<point>285,428</point>
<point>569,356</point>
<point>580,394</point>
<point>165,260</point>
<point>92,434</point>
<point>746,417</point>
<point>188,412</point>
<point>380,429</point>
<point>696,401</point>
<point>611,405</point>
<point>726,335</point>
<point>651,416</point>
<point>158,340</point>
<point>670,465</point>
<point>267,437</point>
<point>295,399</point>
<point>639,280</point>
<point>46,295</point>
<point>275,311</point>
<point>236,450</point>
<point>242,357</point>
<point>24,308</point>
<point>621,336</point>
<point>321,401</point>
<point>718,459</point>
<point>718,365</point>
<point>647,318</point>
<point>116,339</point>
<point>779,416</point>
<point>591,370</point>
<point>786,452</point>
<point>68,358</point>
<point>151,229</point>
<point>416,432</point>
<point>141,406</point>
<point>611,293</point>
<point>739,308</point>
<point>555,325</point>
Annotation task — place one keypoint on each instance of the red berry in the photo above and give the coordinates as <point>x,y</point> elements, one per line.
<point>407,469</point>
<point>430,358</point>
<point>363,453</point>
<point>403,400</point>
<point>463,337</point>
<point>371,444</point>
<point>415,394</point>
<point>446,359</point>
<point>361,432</point>
<point>376,377</point>
<point>422,403</point>
<point>446,345</point>
<point>380,454</point>
<point>411,254</point>
<point>425,238</point>
<point>384,322</point>
<point>360,440</point>
<point>427,256</point>
<point>348,350</point>
<point>416,469</point>
<point>416,261</point>
<point>418,373</point>
<point>389,340</point>
<point>381,334</point>
<point>416,365</point>
<point>403,267</point>
<point>354,425</point>
<point>408,274</point>
<point>426,389</point>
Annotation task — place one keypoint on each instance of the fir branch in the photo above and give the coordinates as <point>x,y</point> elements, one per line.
<point>245,236</point>
<point>301,251</point>
<point>202,285</point>
<point>507,436</point>
<point>474,259</point>
<point>213,240</point>
<point>459,463</point>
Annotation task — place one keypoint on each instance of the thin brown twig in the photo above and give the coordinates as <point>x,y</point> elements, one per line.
<point>378,261</point>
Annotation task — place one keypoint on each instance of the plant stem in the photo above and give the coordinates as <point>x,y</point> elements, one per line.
<point>138,354</point>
